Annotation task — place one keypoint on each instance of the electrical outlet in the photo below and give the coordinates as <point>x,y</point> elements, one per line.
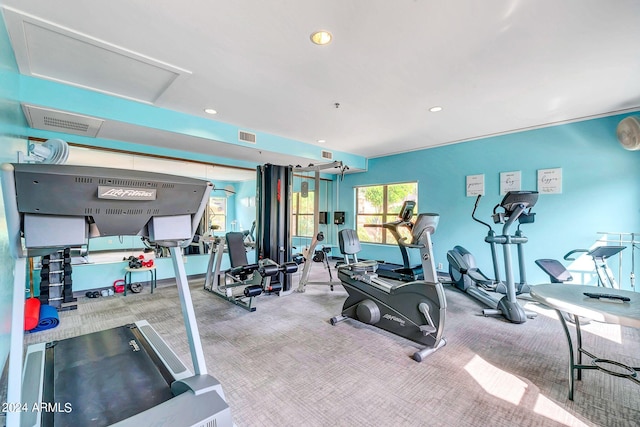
<point>184,259</point>
<point>439,266</point>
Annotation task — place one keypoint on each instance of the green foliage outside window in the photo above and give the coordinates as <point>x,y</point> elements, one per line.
<point>378,204</point>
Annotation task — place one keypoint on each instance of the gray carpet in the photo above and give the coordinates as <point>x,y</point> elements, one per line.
<point>286,365</point>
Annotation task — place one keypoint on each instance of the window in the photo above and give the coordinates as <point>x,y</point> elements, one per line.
<point>218,213</point>
<point>302,214</point>
<point>378,204</point>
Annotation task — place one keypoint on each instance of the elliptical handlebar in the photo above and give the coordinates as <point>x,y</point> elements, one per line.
<point>473,214</point>
<point>516,205</point>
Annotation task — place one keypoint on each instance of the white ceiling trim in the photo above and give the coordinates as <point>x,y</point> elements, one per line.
<point>53,52</point>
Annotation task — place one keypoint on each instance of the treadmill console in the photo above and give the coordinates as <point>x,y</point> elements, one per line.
<point>406,213</point>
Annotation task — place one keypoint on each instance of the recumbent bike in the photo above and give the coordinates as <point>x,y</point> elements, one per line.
<point>413,310</point>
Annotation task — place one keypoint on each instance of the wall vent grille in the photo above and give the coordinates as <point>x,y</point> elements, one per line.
<point>61,121</point>
<point>327,155</point>
<point>245,136</point>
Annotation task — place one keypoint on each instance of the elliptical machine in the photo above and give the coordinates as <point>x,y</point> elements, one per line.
<point>516,206</point>
<point>413,310</point>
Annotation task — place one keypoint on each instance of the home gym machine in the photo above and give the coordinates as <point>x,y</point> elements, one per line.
<point>127,375</point>
<point>318,236</point>
<point>273,221</point>
<point>413,310</point>
<point>243,281</point>
<point>516,206</point>
<point>404,272</point>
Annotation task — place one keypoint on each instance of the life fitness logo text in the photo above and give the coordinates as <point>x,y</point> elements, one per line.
<point>121,193</point>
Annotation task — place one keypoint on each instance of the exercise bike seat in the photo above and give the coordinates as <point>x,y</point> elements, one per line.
<point>368,266</point>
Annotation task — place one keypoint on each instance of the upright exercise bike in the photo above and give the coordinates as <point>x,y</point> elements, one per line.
<point>516,206</point>
<point>413,310</point>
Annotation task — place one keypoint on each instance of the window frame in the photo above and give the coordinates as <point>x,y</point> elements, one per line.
<point>296,215</point>
<point>385,215</point>
<point>211,214</point>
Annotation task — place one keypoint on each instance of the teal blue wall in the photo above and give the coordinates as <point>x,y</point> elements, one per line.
<point>245,204</point>
<point>600,190</point>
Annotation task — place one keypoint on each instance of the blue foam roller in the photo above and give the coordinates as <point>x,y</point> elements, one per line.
<point>48,318</point>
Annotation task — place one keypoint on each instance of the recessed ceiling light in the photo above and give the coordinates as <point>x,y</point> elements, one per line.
<point>435,109</point>
<point>210,111</point>
<point>322,141</point>
<point>321,37</point>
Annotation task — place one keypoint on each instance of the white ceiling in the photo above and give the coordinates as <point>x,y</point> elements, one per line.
<point>494,66</point>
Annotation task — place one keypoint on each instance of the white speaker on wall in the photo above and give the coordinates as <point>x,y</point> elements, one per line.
<point>628,132</point>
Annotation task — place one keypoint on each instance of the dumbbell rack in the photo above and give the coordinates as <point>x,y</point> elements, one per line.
<point>55,281</point>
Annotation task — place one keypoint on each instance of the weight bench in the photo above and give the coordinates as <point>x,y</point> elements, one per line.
<point>243,281</point>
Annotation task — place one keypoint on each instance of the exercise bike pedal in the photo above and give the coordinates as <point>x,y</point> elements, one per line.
<point>427,329</point>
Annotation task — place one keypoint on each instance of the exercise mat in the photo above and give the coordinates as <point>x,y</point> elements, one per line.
<point>48,318</point>
<point>31,313</point>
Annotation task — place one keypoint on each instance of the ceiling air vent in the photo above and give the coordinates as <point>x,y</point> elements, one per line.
<point>61,121</point>
<point>327,155</point>
<point>247,137</point>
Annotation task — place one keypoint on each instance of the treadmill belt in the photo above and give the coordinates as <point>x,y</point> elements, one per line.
<point>388,266</point>
<point>106,376</point>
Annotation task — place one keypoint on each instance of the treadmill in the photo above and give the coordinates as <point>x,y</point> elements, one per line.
<point>404,272</point>
<point>125,376</point>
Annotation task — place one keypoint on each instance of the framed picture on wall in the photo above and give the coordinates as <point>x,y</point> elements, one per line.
<point>509,181</point>
<point>475,185</point>
<point>550,181</point>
